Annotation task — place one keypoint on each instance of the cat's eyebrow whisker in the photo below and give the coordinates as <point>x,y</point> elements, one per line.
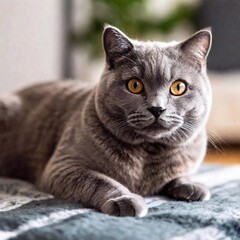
<point>135,63</point>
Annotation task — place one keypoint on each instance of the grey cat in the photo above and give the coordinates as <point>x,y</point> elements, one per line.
<point>140,131</point>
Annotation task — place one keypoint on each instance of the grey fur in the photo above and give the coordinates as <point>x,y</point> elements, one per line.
<point>99,144</point>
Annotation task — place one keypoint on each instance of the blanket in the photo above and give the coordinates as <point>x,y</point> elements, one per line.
<point>26,213</point>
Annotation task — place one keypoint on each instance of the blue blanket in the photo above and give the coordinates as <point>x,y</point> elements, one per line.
<point>26,213</point>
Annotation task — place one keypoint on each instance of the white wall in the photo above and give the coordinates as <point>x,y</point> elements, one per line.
<point>31,42</point>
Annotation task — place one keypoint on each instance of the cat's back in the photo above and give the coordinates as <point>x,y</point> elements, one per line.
<point>54,92</point>
<point>46,108</point>
<point>41,104</point>
<point>34,122</point>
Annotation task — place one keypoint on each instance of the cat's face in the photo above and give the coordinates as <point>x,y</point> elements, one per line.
<point>152,91</point>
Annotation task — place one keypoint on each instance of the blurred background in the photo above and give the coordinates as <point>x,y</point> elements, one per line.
<point>46,40</point>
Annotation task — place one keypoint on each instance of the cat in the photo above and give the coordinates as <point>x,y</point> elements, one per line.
<point>139,132</point>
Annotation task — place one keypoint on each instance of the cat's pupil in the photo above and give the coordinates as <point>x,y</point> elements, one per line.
<point>179,87</point>
<point>135,85</point>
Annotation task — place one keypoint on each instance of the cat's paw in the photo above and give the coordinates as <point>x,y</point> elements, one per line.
<point>126,205</point>
<point>187,191</point>
<point>191,192</point>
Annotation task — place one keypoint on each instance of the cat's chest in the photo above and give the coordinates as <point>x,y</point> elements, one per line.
<point>152,167</point>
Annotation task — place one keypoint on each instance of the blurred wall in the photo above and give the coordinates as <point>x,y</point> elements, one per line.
<point>224,18</point>
<point>31,42</point>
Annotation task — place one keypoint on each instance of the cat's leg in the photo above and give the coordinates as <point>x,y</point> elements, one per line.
<point>182,189</point>
<point>74,183</point>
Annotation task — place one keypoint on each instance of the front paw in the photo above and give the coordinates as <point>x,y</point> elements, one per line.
<point>187,191</point>
<point>126,205</point>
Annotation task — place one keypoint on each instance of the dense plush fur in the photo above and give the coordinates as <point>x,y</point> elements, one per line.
<point>101,145</point>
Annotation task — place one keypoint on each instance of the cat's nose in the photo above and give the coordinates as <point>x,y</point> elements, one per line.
<point>156,111</point>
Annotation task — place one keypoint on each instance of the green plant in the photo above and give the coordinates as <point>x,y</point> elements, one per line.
<point>129,15</point>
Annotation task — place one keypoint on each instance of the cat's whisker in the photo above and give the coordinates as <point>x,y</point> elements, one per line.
<point>185,132</point>
<point>179,134</point>
<point>143,118</point>
<point>175,122</point>
<point>215,145</point>
<point>189,128</point>
<point>136,114</point>
<point>215,136</point>
<point>139,120</point>
<point>122,128</point>
<point>212,138</point>
<point>215,141</point>
<point>177,117</point>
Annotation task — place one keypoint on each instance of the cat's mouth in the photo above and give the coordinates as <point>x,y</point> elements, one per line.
<point>157,130</point>
<point>154,126</point>
<point>158,126</point>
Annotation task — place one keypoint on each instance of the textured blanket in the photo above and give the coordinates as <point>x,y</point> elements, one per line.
<point>26,213</point>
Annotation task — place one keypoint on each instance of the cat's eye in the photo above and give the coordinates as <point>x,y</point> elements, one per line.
<point>178,88</point>
<point>135,86</point>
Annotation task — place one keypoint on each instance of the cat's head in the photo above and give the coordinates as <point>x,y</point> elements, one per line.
<point>153,91</point>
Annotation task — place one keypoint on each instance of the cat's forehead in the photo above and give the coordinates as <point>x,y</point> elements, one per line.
<point>156,53</point>
<point>156,60</point>
<point>150,48</point>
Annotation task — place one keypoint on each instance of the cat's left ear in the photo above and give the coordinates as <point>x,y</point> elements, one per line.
<point>198,46</point>
<point>115,44</point>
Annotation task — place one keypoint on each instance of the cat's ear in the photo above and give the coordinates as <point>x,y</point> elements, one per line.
<point>197,47</point>
<point>115,44</point>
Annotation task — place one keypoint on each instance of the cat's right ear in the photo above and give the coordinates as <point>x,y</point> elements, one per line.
<point>115,44</point>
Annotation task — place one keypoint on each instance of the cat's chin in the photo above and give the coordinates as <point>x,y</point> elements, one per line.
<point>154,131</point>
<point>158,130</point>
<point>159,126</point>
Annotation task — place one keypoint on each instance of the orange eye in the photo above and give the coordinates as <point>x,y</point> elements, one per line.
<point>135,86</point>
<point>178,88</point>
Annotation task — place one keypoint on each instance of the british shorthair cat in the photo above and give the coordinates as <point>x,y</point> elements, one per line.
<point>140,131</point>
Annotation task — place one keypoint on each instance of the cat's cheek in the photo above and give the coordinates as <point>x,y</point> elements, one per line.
<point>197,112</point>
